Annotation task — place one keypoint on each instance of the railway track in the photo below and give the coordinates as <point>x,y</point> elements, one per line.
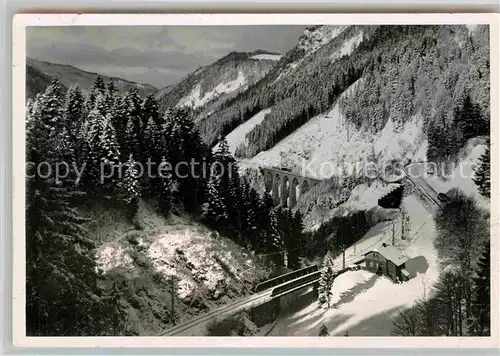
<point>423,186</point>
<point>217,312</point>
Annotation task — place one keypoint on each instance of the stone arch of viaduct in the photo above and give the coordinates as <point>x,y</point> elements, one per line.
<point>286,188</point>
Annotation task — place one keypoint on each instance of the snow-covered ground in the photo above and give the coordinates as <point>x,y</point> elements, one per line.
<point>364,303</point>
<point>112,255</point>
<point>364,197</point>
<point>204,262</point>
<point>462,174</point>
<point>237,136</point>
<point>348,46</point>
<point>329,145</point>
<point>191,253</point>
<point>195,98</point>
<point>267,56</point>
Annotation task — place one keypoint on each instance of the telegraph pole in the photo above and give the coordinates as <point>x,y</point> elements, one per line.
<point>343,256</point>
<point>172,282</point>
<point>393,232</point>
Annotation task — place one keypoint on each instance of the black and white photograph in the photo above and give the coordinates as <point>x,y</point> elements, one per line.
<point>246,180</point>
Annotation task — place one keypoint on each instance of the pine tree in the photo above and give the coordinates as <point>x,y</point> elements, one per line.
<point>62,295</point>
<point>273,236</point>
<point>120,121</point>
<point>183,144</point>
<point>471,121</point>
<point>151,143</point>
<point>74,109</point>
<point>249,205</point>
<point>168,189</point>
<point>130,190</point>
<point>326,279</point>
<point>449,293</point>
<point>99,85</point>
<point>482,174</point>
<point>150,110</point>
<point>131,140</point>
<point>101,105</point>
<point>216,212</point>
<point>299,244</point>
<point>482,305</point>
<point>110,94</point>
<point>134,107</point>
<point>104,155</point>
<point>98,88</point>
<point>115,311</point>
<point>323,331</point>
<point>133,122</point>
<point>264,221</point>
<point>230,182</point>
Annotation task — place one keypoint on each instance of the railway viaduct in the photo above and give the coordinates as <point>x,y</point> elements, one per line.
<point>285,187</point>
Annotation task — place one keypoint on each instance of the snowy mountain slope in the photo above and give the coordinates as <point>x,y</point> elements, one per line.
<point>237,136</point>
<point>69,75</point>
<point>219,81</point>
<point>304,62</point>
<point>396,97</point>
<point>328,145</point>
<point>195,99</point>
<point>348,46</point>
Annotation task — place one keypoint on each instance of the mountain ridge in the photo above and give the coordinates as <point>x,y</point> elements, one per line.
<point>209,86</point>
<point>41,73</point>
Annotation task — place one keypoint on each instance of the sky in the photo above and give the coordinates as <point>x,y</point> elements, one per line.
<point>157,55</point>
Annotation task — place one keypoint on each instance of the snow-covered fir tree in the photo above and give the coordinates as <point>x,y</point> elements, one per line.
<point>74,109</point>
<point>323,331</point>
<point>110,95</point>
<point>168,189</point>
<point>482,173</point>
<point>273,236</point>
<point>215,211</point>
<point>103,150</point>
<point>129,187</point>
<point>481,309</point>
<point>131,140</point>
<point>249,212</point>
<point>150,110</point>
<point>326,279</point>
<point>59,254</point>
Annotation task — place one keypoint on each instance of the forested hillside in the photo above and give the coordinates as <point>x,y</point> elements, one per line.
<point>107,202</point>
<point>40,74</point>
<point>431,71</point>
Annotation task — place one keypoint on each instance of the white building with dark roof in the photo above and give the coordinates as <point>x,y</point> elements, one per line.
<point>388,260</point>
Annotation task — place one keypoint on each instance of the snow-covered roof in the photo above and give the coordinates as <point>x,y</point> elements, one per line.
<point>391,253</point>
